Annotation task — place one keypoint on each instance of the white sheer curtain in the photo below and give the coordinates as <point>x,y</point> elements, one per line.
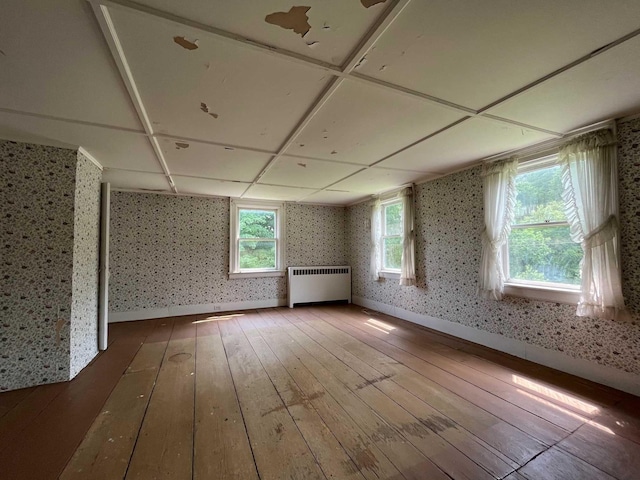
<point>499,187</point>
<point>590,180</point>
<point>408,264</point>
<point>374,256</point>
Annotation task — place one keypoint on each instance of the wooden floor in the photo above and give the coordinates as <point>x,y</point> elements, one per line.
<point>329,392</point>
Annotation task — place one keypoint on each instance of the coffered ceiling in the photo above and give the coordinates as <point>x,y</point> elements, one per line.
<point>324,101</point>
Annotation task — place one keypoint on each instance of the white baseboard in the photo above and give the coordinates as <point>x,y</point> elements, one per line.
<point>148,313</point>
<point>612,377</point>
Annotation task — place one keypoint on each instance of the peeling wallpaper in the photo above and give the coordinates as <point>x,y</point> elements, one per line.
<point>173,251</point>
<point>86,262</point>
<point>37,188</point>
<point>449,221</point>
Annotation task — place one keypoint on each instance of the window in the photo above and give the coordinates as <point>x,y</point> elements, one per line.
<point>257,246</point>
<point>540,251</point>
<point>391,236</point>
<point>392,253</point>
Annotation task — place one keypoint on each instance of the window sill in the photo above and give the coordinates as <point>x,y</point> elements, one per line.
<point>546,294</point>
<point>392,275</point>
<point>272,273</point>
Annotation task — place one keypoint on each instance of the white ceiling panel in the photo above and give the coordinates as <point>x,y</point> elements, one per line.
<point>463,144</point>
<point>336,26</point>
<point>606,86</point>
<point>205,186</point>
<point>473,53</point>
<point>334,197</point>
<point>270,192</point>
<point>202,160</point>
<point>112,148</point>
<point>296,172</point>
<point>136,180</point>
<point>54,61</point>
<point>217,92</point>
<point>376,180</point>
<point>362,124</point>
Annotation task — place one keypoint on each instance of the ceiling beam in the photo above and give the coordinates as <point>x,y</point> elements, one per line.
<point>110,34</point>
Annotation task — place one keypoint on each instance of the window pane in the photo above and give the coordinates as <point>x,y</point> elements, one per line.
<point>257,254</point>
<point>544,254</point>
<point>539,197</point>
<point>257,223</point>
<point>392,253</point>
<point>393,219</point>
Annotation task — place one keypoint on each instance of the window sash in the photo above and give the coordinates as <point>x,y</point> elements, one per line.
<point>384,236</point>
<point>528,167</point>
<point>235,253</point>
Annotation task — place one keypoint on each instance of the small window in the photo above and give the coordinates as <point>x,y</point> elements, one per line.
<point>256,239</point>
<point>540,249</point>
<point>391,236</point>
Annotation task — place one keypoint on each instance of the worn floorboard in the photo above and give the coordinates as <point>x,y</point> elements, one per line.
<point>326,392</point>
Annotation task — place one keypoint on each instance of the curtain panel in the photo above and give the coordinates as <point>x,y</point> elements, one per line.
<point>499,187</point>
<point>590,180</point>
<point>408,264</point>
<point>376,229</point>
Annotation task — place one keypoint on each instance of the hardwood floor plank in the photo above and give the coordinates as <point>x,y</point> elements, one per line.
<point>452,436</point>
<point>369,460</point>
<point>502,399</point>
<point>555,464</point>
<point>508,391</point>
<point>330,455</point>
<point>514,443</point>
<point>365,383</point>
<point>611,453</point>
<point>314,393</point>
<point>389,429</point>
<point>60,427</point>
<point>22,415</point>
<point>507,364</point>
<point>8,400</point>
<point>622,419</point>
<point>278,447</point>
<point>106,449</point>
<point>164,448</point>
<point>221,446</point>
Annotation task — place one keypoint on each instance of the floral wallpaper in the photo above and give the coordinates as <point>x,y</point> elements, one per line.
<point>449,220</point>
<point>316,235</point>
<point>170,251</point>
<point>37,188</point>
<point>86,262</point>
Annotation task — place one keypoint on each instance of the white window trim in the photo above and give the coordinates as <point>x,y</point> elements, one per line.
<point>545,291</point>
<point>234,266</point>
<point>387,272</point>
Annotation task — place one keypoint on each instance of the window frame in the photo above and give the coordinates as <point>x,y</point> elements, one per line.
<point>538,290</point>
<point>237,205</point>
<point>388,272</point>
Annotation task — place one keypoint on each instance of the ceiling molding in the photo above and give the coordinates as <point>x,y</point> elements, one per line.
<point>91,158</point>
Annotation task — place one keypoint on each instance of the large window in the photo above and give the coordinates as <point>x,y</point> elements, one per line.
<point>540,249</point>
<point>256,239</point>
<point>391,236</point>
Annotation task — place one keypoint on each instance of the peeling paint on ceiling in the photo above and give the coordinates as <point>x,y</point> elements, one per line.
<point>371,3</point>
<point>186,44</point>
<point>205,109</point>
<point>295,19</point>
<point>181,145</point>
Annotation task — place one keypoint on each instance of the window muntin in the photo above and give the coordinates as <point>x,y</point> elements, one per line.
<point>391,236</point>
<point>540,249</point>
<point>256,238</point>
